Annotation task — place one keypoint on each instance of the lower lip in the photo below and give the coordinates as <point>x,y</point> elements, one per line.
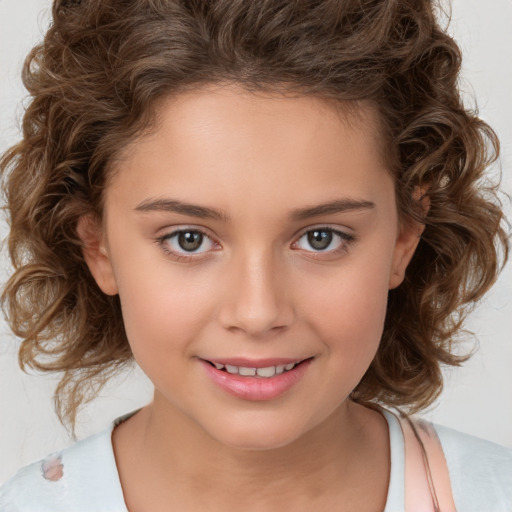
<point>256,388</point>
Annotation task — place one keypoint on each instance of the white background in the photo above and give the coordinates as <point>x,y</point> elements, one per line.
<point>477,398</point>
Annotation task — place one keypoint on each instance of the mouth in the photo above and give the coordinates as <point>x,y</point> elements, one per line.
<point>256,380</point>
<point>264,372</point>
<point>251,379</point>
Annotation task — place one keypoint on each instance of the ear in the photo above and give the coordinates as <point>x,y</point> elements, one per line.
<point>96,253</point>
<point>408,239</point>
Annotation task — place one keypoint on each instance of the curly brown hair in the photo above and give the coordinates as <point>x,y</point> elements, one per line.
<point>94,83</point>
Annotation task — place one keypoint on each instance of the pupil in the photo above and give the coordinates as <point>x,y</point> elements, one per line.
<point>190,240</point>
<point>320,239</point>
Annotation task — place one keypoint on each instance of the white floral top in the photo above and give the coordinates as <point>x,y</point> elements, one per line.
<point>84,477</point>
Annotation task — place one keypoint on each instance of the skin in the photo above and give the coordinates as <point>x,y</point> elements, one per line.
<point>255,289</point>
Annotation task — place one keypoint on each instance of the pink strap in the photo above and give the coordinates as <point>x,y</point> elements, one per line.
<point>427,479</point>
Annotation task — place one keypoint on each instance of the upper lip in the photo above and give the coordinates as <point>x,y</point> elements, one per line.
<point>255,363</point>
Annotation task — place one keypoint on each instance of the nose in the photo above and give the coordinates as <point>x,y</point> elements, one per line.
<point>257,299</point>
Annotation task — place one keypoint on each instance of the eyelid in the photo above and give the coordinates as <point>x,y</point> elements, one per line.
<point>184,256</point>
<point>347,240</point>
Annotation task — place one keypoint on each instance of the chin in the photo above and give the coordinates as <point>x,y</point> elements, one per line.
<point>257,435</point>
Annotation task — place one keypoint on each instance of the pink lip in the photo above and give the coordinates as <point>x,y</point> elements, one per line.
<point>255,388</point>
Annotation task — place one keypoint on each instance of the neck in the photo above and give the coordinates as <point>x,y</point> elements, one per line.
<point>337,457</point>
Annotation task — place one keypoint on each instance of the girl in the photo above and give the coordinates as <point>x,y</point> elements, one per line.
<point>278,209</point>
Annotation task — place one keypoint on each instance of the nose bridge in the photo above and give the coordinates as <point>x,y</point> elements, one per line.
<point>257,301</point>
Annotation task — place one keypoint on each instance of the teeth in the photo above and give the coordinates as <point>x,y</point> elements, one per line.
<point>247,372</point>
<point>268,372</point>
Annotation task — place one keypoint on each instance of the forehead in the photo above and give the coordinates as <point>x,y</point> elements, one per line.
<point>189,114</point>
<point>222,143</point>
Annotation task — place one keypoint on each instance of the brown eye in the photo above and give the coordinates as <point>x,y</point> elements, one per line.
<point>186,241</point>
<point>190,240</point>
<point>320,239</point>
<point>323,240</point>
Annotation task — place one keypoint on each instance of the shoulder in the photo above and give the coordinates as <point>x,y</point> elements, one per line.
<point>81,478</point>
<point>480,471</point>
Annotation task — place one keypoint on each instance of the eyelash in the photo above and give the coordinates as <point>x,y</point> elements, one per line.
<point>346,241</point>
<point>161,241</point>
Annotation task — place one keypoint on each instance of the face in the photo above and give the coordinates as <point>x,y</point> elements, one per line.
<point>252,241</point>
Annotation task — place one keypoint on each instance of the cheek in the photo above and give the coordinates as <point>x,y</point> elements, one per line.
<point>162,310</point>
<point>350,308</point>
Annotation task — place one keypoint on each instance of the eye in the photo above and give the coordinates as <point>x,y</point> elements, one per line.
<point>324,240</point>
<point>185,242</point>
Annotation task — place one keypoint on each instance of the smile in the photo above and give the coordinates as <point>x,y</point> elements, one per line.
<point>245,371</point>
<point>256,380</point>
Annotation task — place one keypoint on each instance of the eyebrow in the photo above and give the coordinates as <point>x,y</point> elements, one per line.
<point>336,206</point>
<point>203,212</point>
<point>175,206</point>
